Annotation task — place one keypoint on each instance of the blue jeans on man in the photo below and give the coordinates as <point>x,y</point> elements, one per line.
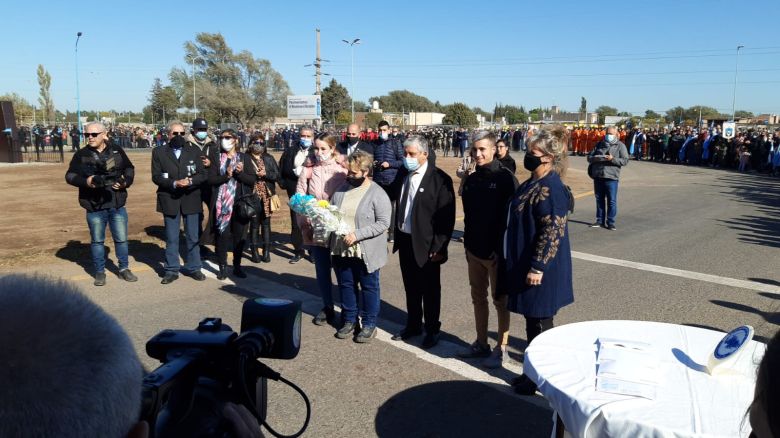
<point>606,199</point>
<point>351,272</point>
<point>116,219</point>
<point>192,261</point>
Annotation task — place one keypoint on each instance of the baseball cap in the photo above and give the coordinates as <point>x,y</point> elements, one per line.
<point>199,123</point>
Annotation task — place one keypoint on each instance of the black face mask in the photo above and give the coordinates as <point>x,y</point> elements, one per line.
<point>356,182</point>
<point>531,161</point>
<point>177,142</point>
<point>353,140</point>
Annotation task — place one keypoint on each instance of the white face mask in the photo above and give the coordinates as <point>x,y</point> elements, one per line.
<point>323,157</point>
<point>384,136</point>
<point>227,145</point>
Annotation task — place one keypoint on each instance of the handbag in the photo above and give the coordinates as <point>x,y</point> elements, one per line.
<point>248,206</point>
<point>276,204</point>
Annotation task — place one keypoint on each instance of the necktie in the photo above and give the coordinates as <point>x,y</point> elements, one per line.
<point>404,200</point>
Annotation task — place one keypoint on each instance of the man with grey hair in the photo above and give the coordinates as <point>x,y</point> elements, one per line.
<point>606,159</point>
<point>291,166</point>
<point>69,369</point>
<point>423,222</point>
<point>103,172</point>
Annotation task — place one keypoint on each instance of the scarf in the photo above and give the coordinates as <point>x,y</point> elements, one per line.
<point>227,192</point>
<point>261,189</point>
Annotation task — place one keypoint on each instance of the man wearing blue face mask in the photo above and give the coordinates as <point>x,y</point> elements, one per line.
<point>388,158</point>
<point>199,137</point>
<point>606,159</point>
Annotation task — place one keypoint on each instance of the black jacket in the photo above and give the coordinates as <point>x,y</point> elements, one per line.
<point>271,172</point>
<point>361,146</point>
<point>288,178</point>
<point>246,182</point>
<point>85,163</point>
<point>166,169</point>
<point>433,213</point>
<point>486,195</point>
<point>509,163</point>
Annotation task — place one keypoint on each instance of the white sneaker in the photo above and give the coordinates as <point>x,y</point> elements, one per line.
<point>496,358</point>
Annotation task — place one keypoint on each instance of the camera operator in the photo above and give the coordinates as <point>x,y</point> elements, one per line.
<point>103,172</point>
<point>71,369</point>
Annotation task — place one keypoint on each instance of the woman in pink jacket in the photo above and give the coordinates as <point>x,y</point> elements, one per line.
<point>323,173</point>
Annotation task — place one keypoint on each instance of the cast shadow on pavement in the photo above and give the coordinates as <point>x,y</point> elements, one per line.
<point>391,318</point>
<point>460,408</point>
<point>762,193</point>
<point>79,253</point>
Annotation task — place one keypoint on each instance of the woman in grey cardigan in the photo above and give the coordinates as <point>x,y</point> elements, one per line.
<point>358,256</point>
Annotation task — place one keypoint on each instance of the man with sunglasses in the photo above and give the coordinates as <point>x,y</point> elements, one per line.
<point>179,172</point>
<point>103,172</point>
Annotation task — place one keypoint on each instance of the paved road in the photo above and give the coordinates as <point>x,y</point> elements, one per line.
<point>718,230</point>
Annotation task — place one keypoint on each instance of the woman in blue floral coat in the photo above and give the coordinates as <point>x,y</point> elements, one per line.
<point>536,270</point>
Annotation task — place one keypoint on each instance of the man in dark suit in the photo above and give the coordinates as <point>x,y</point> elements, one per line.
<point>354,143</point>
<point>178,171</point>
<point>423,223</point>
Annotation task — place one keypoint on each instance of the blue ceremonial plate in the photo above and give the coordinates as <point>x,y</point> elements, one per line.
<point>733,342</point>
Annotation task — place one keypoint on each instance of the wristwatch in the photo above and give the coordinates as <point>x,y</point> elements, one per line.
<point>536,271</point>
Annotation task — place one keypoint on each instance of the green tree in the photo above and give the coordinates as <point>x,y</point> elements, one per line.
<point>22,108</point>
<point>371,120</point>
<point>403,100</point>
<point>344,117</point>
<point>335,98</point>
<point>230,86</point>
<point>460,115</point>
<point>742,114</point>
<point>604,111</point>
<point>652,115</point>
<point>44,99</point>
<point>163,102</point>
<point>513,114</point>
<point>583,105</point>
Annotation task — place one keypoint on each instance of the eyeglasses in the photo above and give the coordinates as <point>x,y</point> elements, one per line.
<point>92,134</point>
<point>177,133</point>
<point>227,137</point>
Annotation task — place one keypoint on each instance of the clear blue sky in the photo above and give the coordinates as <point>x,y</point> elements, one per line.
<point>631,55</point>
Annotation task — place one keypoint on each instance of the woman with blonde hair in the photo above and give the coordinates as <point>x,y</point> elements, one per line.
<point>536,270</point>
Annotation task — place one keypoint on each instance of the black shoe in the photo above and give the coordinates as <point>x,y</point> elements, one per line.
<point>523,385</point>
<point>197,275</point>
<point>169,278</point>
<point>100,279</point>
<point>611,227</point>
<point>365,335</point>
<point>596,225</point>
<point>127,275</point>
<point>347,330</point>
<point>296,258</point>
<point>430,340</point>
<point>222,272</point>
<point>238,272</point>
<point>266,255</point>
<point>255,255</point>
<point>405,334</point>
<point>326,316</point>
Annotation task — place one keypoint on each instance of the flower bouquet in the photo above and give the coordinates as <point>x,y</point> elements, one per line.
<point>324,217</point>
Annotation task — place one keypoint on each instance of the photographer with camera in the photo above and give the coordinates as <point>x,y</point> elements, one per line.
<point>103,172</point>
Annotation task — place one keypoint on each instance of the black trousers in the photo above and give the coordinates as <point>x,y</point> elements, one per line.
<point>422,285</point>
<point>295,232</point>
<point>235,233</point>
<point>535,326</point>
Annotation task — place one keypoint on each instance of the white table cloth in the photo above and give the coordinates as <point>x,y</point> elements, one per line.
<point>689,402</point>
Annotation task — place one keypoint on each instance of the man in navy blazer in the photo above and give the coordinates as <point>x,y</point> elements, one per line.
<point>424,220</point>
<point>178,172</point>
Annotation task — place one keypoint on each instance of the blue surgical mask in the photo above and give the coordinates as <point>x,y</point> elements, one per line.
<point>201,135</point>
<point>411,164</point>
<point>305,143</point>
<point>610,138</point>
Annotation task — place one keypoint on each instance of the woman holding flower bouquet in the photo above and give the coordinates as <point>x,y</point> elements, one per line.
<point>358,255</point>
<point>231,175</point>
<point>322,175</point>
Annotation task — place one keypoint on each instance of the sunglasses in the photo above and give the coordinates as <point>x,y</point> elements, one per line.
<point>92,134</point>
<point>177,133</point>
<point>227,137</point>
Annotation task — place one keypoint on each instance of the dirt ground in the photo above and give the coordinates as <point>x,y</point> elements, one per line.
<point>41,220</point>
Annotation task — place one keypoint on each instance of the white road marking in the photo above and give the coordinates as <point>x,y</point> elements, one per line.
<point>725,281</point>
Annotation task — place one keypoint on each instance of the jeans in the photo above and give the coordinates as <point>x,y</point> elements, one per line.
<point>191,231</point>
<point>322,268</point>
<point>606,189</point>
<point>351,271</point>
<point>116,219</point>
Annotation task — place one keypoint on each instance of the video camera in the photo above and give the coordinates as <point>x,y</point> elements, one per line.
<point>105,173</point>
<point>202,369</point>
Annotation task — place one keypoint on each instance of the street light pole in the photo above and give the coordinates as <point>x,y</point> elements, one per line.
<point>194,103</point>
<point>352,85</point>
<point>734,98</point>
<point>78,93</point>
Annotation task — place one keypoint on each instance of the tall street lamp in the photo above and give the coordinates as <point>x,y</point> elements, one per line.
<point>194,103</point>
<point>352,86</point>
<point>78,93</point>
<point>734,98</point>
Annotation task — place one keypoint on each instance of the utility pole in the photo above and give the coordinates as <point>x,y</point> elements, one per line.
<point>352,85</point>
<point>734,98</point>
<point>78,94</point>
<point>318,68</point>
